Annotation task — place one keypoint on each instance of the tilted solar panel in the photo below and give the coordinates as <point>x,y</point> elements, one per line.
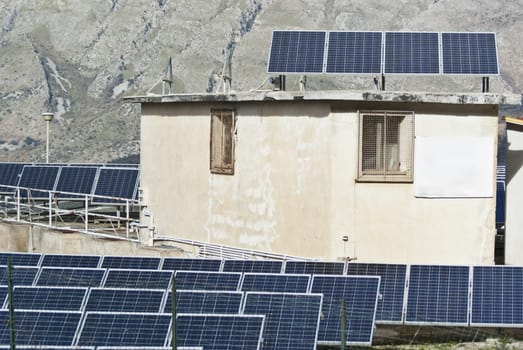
<point>72,277</point>
<point>75,179</point>
<point>205,302</point>
<point>283,283</point>
<point>20,259</point>
<point>131,262</point>
<point>297,52</point>
<point>116,182</point>
<point>207,280</point>
<point>291,320</point>
<point>38,177</point>
<point>189,264</point>
<point>124,300</point>
<point>360,294</point>
<point>22,275</point>
<point>262,266</point>
<point>146,279</point>
<point>10,175</point>
<point>49,298</point>
<point>315,267</point>
<point>354,52</point>
<point>469,53</point>
<point>411,53</point>
<point>438,295</point>
<point>61,260</point>
<point>219,332</point>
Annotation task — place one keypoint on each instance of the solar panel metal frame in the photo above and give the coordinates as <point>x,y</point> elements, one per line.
<point>16,297</point>
<point>121,200</point>
<point>72,269</point>
<point>362,53</point>
<point>102,289</point>
<point>63,192</point>
<point>168,301</point>
<point>130,262</point>
<point>229,274</point>
<point>108,282</point>
<point>276,276</point>
<point>482,74</point>
<point>259,266</point>
<point>41,192</point>
<point>212,265</point>
<point>78,258</point>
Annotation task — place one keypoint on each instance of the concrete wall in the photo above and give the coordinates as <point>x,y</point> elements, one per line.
<point>294,190</point>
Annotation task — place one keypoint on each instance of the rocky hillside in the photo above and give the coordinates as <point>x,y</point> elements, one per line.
<point>79,58</point>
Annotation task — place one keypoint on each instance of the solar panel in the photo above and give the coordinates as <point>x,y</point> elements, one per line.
<point>20,259</point>
<point>38,177</point>
<point>497,296</point>
<point>49,298</point>
<point>262,266</point>
<point>392,288</point>
<point>219,332</point>
<point>354,52</point>
<point>411,53</point>
<point>361,296</point>
<point>3,294</point>
<point>315,267</point>
<point>22,275</point>
<point>297,52</point>
<point>59,260</point>
<point>291,320</point>
<point>124,300</point>
<point>70,277</point>
<point>131,262</point>
<point>207,280</point>
<point>75,179</point>
<point>184,264</point>
<point>124,329</point>
<point>283,283</point>
<point>205,302</point>
<point>147,279</point>
<point>438,295</point>
<point>40,327</point>
<point>116,182</point>
<point>10,175</point>
<point>469,53</point>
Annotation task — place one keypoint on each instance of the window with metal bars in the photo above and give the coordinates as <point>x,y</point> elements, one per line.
<point>386,146</point>
<point>222,141</point>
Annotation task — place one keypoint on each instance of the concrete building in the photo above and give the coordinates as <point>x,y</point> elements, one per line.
<point>373,176</point>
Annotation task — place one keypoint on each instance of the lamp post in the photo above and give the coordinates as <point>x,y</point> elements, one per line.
<point>48,117</point>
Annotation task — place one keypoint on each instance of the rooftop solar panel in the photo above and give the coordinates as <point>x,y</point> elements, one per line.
<point>207,280</point>
<point>469,53</point>
<point>38,177</point>
<point>315,267</point>
<point>124,329</point>
<point>22,275</point>
<point>297,52</point>
<point>262,266</point>
<point>10,175</point>
<point>131,262</point>
<point>75,179</point>
<point>392,288</point>
<point>116,182</point>
<point>20,259</point>
<point>60,260</point>
<point>354,52</point>
<point>291,320</point>
<point>205,302</point>
<point>70,277</point>
<point>361,296</point>
<point>283,283</point>
<point>124,300</point>
<point>219,332</point>
<point>147,279</point>
<point>48,298</point>
<point>438,295</point>
<point>497,296</point>
<point>411,53</point>
<point>41,327</point>
<point>188,264</point>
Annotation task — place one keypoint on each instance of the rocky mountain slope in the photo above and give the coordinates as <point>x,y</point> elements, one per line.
<point>79,58</point>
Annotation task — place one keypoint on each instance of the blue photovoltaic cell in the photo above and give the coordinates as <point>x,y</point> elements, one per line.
<point>206,280</point>
<point>291,320</point>
<point>49,298</point>
<point>116,182</point>
<point>22,275</point>
<point>297,52</point>
<point>500,203</point>
<point>20,259</point>
<point>70,277</point>
<point>360,294</point>
<point>183,264</point>
<point>124,300</point>
<point>76,179</point>
<point>497,296</point>
<point>392,288</point>
<point>262,266</point>
<point>438,295</point>
<point>469,53</point>
<point>219,332</point>
<point>131,262</point>
<point>10,175</point>
<point>40,327</point>
<point>354,52</point>
<point>146,279</point>
<point>59,260</point>
<point>124,329</point>
<point>283,283</point>
<point>38,177</point>
<point>205,302</point>
<point>411,53</point>
<point>315,267</point>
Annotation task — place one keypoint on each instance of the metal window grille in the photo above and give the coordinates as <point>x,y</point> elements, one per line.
<point>386,146</point>
<point>222,141</point>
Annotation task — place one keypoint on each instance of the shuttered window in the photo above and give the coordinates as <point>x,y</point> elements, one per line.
<point>222,141</point>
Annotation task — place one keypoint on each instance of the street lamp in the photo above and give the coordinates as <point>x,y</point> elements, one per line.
<point>48,117</point>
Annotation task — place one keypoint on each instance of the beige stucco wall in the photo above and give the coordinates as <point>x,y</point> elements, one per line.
<point>294,190</point>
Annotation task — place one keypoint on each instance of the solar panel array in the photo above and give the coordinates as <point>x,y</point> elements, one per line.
<point>360,52</point>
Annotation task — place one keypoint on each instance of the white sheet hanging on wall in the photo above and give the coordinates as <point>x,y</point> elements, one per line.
<point>461,167</point>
